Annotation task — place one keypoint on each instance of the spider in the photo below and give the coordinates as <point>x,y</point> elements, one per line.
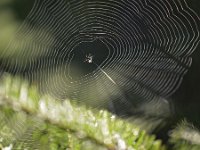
<point>89,58</point>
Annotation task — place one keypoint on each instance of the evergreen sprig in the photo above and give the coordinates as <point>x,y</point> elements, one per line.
<point>31,121</point>
<point>185,136</point>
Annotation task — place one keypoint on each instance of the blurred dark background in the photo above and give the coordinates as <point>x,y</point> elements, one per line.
<point>186,100</point>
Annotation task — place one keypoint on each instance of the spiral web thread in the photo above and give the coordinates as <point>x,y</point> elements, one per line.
<point>148,44</point>
<point>148,47</point>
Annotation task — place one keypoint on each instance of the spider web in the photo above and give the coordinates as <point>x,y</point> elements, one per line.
<point>141,49</point>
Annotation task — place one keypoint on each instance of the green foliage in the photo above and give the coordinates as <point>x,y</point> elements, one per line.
<point>185,136</point>
<point>31,121</point>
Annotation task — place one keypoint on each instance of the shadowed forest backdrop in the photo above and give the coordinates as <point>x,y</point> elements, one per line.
<point>185,101</point>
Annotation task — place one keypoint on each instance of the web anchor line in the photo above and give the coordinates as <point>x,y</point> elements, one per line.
<point>122,96</point>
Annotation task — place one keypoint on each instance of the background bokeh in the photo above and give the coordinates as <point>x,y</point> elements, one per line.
<point>186,101</point>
